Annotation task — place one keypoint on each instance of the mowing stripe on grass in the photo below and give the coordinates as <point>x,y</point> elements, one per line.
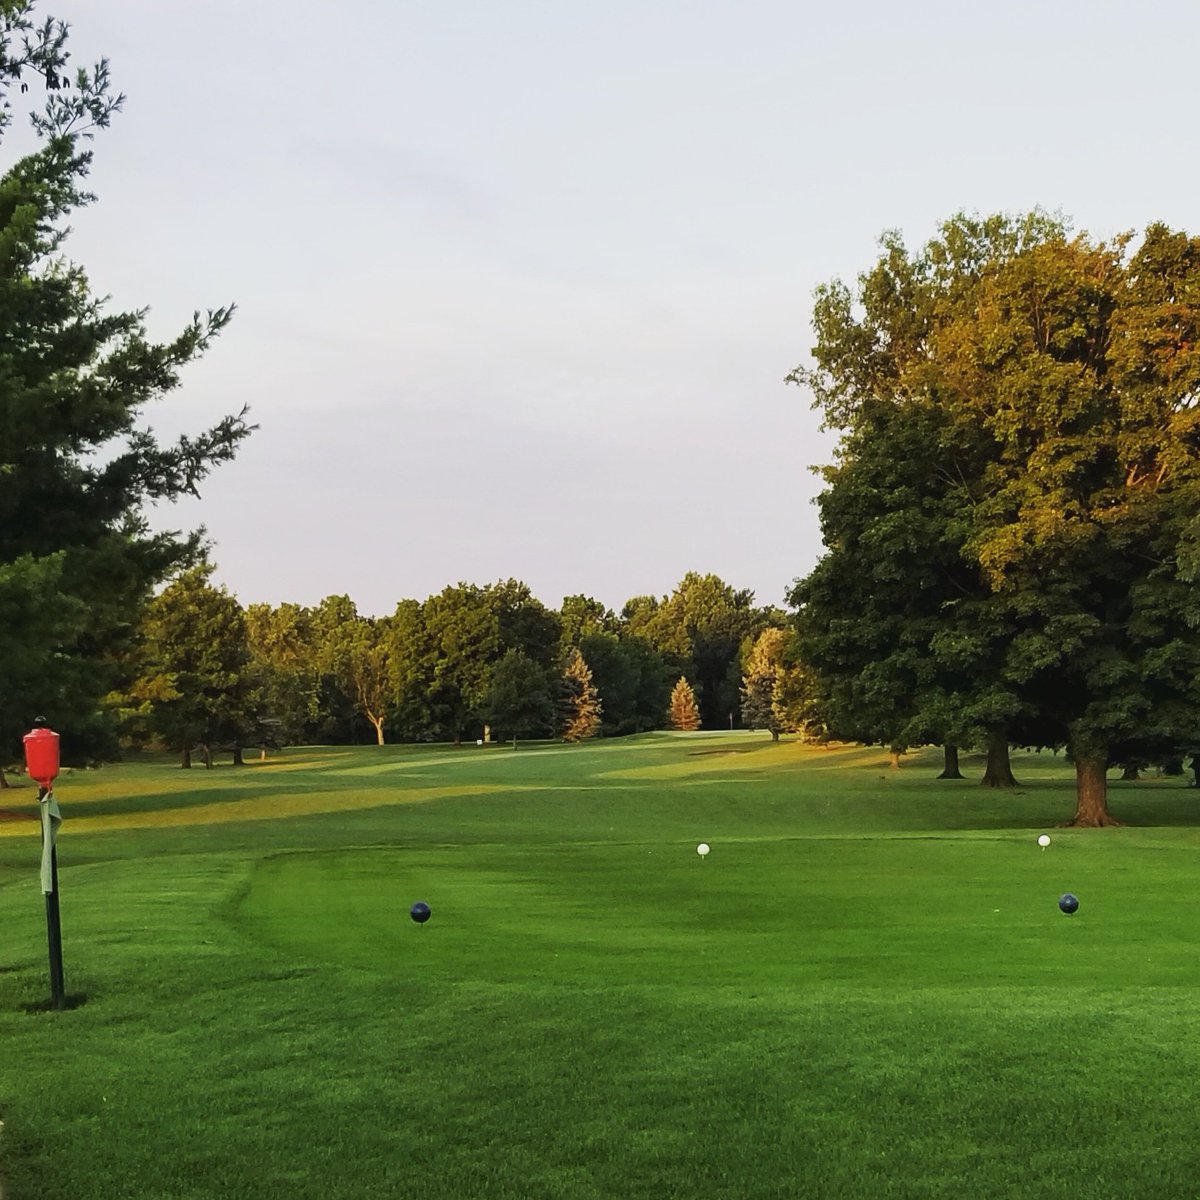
<point>266,807</point>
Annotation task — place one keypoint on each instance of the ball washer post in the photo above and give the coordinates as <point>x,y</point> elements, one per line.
<point>58,991</point>
<point>41,762</point>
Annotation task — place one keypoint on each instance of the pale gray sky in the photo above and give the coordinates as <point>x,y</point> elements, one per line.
<point>519,281</point>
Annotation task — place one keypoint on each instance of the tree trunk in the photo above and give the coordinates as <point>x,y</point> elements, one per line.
<point>894,755</point>
<point>1091,788</point>
<point>238,760</point>
<point>1130,773</point>
<point>185,760</point>
<point>950,763</point>
<point>378,723</point>
<point>999,769</point>
<point>207,756</point>
<point>774,735</point>
<point>262,754</point>
<point>4,780</point>
<point>487,734</point>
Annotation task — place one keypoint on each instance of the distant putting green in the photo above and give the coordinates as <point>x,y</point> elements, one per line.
<point>865,989</point>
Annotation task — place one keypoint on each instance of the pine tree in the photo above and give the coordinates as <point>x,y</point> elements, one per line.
<point>761,684</point>
<point>758,703</point>
<point>684,714</point>
<point>579,705</point>
<point>80,466</point>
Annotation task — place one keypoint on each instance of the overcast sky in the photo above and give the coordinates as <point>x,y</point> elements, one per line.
<point>519,283</point>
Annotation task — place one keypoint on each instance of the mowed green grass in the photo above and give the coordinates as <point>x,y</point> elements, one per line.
<point>866,989</point>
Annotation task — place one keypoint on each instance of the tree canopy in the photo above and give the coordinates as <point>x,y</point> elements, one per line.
<point>519,700</point>
<point>699,629</point>
<point>1046,384</point>
<point>195,685</point>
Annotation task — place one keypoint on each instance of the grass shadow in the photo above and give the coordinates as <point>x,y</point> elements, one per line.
<point>76,1000</point>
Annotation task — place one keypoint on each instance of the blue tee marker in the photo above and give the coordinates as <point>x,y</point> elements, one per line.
<point>1068,903</point>
<point>420,912</point>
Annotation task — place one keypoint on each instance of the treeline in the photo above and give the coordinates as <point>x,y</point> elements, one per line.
<point>90,643</point>
<point>1012,521</point>
<point>473,662</point>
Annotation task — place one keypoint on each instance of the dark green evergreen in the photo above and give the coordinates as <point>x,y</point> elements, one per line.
<point>78,463</point>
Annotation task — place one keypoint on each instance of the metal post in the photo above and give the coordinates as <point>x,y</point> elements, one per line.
<point>58,995</point>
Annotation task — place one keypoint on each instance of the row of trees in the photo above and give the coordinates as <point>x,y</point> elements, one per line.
<point>81,638</point>
<point>1013,519</point>
<point>464,663</point>
<point>1012,523</point>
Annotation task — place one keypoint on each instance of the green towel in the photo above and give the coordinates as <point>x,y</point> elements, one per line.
<point>51,820</point>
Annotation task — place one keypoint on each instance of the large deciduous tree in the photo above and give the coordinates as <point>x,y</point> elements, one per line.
<point>631,676</point>
<point>580,617</point>
<point>356,652</point>
<point>410,668</point>
<point>519,700</point>
<point>78,463</point>
<point>281,648</point>
<point>453,646</point>
<point>195,686</point>
<point>901,637</point>
<point>1057,378</point>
